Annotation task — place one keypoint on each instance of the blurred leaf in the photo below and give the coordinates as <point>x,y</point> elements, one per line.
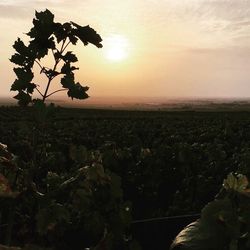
<point>4,186</point>
<point>5,189</point>
<point>134,245</point>
<point>48,217</point>
<point>238,183</point>
<point>95,173</point>
<point>4,151</point>
<point>115,186</point>
<point>78,154</point>
<point>194,237</point>
<point>53,180</point>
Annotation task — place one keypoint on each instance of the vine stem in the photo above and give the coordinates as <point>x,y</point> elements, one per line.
<point>39,64</point>
<point>39,91</point>
<point>56,92</point>
<point>63,47</point>
<point>66,46</point>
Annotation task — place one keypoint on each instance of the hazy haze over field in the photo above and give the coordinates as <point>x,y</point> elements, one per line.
<point>171,48</point>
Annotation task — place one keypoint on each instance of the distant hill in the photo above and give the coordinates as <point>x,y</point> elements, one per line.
<point>150,103</point>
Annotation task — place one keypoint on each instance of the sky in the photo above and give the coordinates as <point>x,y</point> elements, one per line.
<point>152,48</point>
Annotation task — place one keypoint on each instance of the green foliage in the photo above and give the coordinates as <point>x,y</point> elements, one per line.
<point>170,164</point>
<point>46,36</point>
<point>224,222</point>
<point>237,183</point>
<point>71,209</point>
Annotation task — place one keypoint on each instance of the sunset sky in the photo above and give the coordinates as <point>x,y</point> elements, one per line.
<point>157,48</point>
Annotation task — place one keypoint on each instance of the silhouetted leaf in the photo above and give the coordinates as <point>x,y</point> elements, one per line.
<point>63,31</point>
<point>70,57</point>
<point>18,59</point>
<point>59,32</point>
<point>41,46</point>
<point>18,85</point>
<point>25,56</point>
<point>68,80</point>
<point>67,68</point>
<point>43,25</point>
<point>20,47</point>
<point>78,91</point>
<point>23,98</point>
<point>30,87</point>
<point>87,35</point>
<point>24,74</point>
<point>23,81</point>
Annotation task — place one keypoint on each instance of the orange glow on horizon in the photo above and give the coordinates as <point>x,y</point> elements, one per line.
<point>150,48</point>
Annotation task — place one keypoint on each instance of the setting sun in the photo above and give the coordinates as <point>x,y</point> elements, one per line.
<point>116,48</point>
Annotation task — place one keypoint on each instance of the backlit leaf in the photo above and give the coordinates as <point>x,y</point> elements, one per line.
<point>78,91</point>
<point>238,182</point>
<point>68,81</point>
<point>70,57</point>
<point>87,35</point>
<point>23,98</point>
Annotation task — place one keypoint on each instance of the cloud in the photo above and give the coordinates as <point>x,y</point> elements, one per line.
<point>222,22</point>
<point>10,12</point>
<point>24,9</point>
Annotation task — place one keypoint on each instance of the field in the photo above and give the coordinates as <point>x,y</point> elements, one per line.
<point>168,163</point>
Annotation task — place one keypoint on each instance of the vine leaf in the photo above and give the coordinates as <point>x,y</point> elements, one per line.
<point>5,189</point>
<point>23,81</point>
<point>237,183</point>
<point>24,56</point>
<point>62,31</point>
<point>70,57</point>
<point>48,217</point>
<point>87,35</point>
<point>78,91</point>
<point>4,186</point>
<point>23,98</point>
<point>44,27</point>
<point>68,80</point>
<point>67,68</point>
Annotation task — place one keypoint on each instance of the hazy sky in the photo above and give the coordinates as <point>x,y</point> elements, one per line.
<point>172,48</point>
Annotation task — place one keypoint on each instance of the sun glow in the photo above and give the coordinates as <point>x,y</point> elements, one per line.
<point>116,48</point>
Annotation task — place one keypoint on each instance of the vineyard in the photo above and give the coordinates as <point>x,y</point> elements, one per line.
<point>96,178</point>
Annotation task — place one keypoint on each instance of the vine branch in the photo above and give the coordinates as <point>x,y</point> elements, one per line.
<point>55,92</point>
<point>39,64</point>
<point>55,44</point>
<point>39,91</point>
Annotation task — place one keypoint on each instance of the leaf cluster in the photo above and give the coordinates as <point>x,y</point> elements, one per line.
<point>72,209</point>
<point>46,36</point>
<point>224,222</point>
